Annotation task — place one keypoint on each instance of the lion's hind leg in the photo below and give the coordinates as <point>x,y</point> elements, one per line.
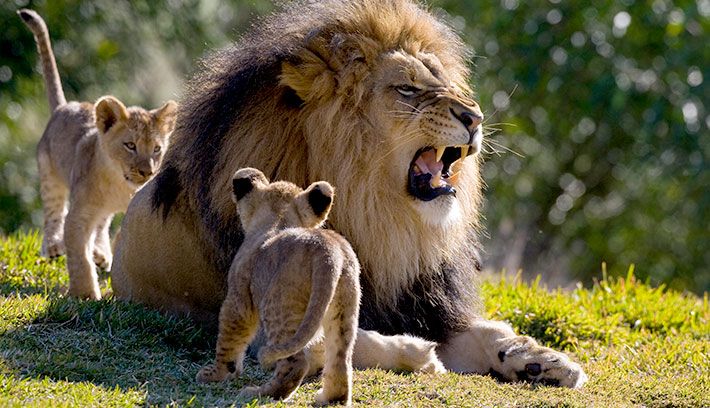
<point>237,326</point>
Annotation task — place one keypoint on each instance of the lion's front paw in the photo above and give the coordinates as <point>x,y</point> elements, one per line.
<point>522,359</point>
<point>212,373</point>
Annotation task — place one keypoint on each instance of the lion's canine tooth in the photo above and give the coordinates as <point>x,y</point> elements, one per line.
<point>440,152</point>
<point>464,151</point>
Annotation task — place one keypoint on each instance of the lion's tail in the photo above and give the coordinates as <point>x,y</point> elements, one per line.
<point>49,65</point>
<point>324,281</point>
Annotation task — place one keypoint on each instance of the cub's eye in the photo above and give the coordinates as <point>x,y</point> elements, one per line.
<point>407,90</point>
<point>156,149</point>
<point>130,146</point>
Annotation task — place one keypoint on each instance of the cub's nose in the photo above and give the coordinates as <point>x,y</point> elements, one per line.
<point>145,173</point>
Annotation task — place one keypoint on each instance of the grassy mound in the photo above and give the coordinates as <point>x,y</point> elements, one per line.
<point>640,346</point>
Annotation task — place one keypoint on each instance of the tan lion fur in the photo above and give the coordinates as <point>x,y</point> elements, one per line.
<point>294,278</point>
<point>93,157</point>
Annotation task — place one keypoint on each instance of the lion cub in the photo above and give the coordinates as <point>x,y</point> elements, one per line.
<point>295,279</point>
<point>95,156</point>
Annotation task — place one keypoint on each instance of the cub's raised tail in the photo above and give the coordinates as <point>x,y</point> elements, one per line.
<point>49,65</point>
<point>323,286</point>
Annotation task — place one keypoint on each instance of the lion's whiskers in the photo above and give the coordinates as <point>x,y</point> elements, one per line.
<point>404,139</point>
<point>417,110</point>
<point>495,143</point>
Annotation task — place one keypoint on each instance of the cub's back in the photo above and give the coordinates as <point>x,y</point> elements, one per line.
<point>288,257</point>
<point>68,125</point>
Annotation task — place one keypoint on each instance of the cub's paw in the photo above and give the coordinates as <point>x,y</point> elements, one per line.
<point>522,359</point>
<point>87,291</point>
<point>249,393</point>
<point>323,398</point>
<point>52,248</point>
<point>102,259</point>
<point>213,373</point>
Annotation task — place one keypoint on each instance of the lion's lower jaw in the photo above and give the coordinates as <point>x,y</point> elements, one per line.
<point>443,211</point>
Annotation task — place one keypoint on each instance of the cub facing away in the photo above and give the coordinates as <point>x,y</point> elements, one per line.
<point>300,282</point>
<point>93,157</point>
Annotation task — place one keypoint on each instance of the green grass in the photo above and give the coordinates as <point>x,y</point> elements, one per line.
<point>640,346</point>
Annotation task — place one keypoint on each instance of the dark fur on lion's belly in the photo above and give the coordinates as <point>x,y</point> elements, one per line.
<point>437,305</point>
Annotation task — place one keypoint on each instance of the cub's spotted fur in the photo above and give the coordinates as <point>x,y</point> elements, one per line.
<point>299,281</point>
<point>93,157</point>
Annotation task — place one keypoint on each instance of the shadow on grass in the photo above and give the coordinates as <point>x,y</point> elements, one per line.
<point>116,344</point>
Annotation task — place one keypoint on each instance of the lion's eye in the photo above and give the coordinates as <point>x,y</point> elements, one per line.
<point>407,90</point>
<point>156,149</point>
<point>130,146</point>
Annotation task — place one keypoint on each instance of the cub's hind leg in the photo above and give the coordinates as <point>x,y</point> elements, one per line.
<point>287,376</point>
<point>340,329</point>
<point>102,244</point>
<point>238,322</point>
<point>281,315</point>
<point>54,194</point>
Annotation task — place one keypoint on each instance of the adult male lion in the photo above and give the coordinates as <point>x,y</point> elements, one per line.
<point>372,96</point>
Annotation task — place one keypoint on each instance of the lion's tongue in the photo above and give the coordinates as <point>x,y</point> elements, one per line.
<point>427,164</point>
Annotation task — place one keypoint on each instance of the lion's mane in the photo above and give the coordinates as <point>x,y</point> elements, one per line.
<point>290,99</point>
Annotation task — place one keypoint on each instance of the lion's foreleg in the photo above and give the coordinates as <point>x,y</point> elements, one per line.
<point>406,353</point>
<point>492,347</point>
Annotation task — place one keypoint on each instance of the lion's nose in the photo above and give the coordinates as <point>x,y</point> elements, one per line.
<point>469,118</point>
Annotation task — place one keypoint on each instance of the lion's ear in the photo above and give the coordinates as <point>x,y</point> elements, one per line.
<point>327,62</point>
<point>109,111</point>
<point>309,77</point>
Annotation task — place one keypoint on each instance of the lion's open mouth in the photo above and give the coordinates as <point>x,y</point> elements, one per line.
<point>434,171</point>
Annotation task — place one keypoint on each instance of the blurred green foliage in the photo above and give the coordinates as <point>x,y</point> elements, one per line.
<point>604,107</point>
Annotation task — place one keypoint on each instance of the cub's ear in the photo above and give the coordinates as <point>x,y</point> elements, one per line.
<point>109,111</point>
<point>320,198</point>
<point>245,180</point>
<point>165,117</point>
<point>241,187</point>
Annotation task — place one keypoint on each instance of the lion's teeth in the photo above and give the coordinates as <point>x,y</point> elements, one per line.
<point>464,151</point>
<point>436,180</point>
<point>417,169</point>
<point>440,152</point>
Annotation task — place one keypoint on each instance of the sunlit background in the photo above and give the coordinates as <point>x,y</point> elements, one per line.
<point>598,117</point>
